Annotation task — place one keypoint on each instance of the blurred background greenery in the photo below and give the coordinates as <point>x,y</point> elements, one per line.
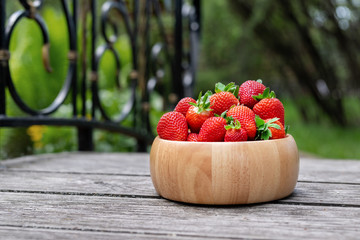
<point>306,51</point>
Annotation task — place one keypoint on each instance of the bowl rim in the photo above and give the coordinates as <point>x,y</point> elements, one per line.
<point>242,142</point>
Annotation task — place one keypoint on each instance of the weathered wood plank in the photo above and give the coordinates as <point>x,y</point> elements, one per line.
<point>111,163</point>
<point>316,193</point>
<point>325,194</point>
<point>346,171</point>
<point>324,170</point>
<point>158,216</point>
<point>77,183</point>
<point>18,233</point>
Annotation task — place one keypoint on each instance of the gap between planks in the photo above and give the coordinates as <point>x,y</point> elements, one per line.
<point>110,195</point>
<point>262,220</point>
<point>138,175</point>
<point>75,173</point>
<point>113,195</point>
<point>131,233</point>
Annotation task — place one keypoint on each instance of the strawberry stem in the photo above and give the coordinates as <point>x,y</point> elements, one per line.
<point>262,128</point>
<point>233,125</point>
<point>203,102</point>
<point>231,87</point>
<point>265,94</point>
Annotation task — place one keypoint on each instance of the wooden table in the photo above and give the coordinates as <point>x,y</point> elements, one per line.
<point>111,196</point>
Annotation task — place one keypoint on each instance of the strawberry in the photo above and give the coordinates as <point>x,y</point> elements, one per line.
<point>246,117</point>
<point>183,105</point>
<point>224,97</point>
<point>269,128</point>
<point>192,137</point>
<point>199,112</point>
<point>269,106</point>
<point>172,126</point>
<point>234,132</point>
<point>213,130</point>
<point>249,89</point>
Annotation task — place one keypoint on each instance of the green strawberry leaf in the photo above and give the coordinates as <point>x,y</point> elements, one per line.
<point>231,87</point>
<point>219,87</point>
<point>237,124</point>
<point>262,128</point>
<point>273,120</point>
<point>259,121</point>
<point>233,125</point>
<point>193,104</point>
<point>265,94</point>
<point>262,95</point>
<point>266,135</point>
<point>236,91</point>
<point>198,99</point>
<point>229,119</point>
<point>223,114</point>
<point>203,102</point>
<point>228,127</point>
<point>274,125</point>
<point>272,94</point>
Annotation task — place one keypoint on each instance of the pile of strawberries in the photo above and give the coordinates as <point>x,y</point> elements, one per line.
<point>233,113</point>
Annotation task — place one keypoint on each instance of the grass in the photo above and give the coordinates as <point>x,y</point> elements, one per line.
<point>323,139</point>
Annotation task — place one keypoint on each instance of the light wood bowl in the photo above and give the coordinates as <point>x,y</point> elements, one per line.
<point>222,173</point>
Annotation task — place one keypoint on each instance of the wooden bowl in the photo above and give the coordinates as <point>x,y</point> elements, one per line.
<point>223,173</point>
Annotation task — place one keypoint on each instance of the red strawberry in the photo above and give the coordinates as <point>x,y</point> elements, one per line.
<point>224,97</point>
<point>269,107</point>
<point>213,130</point>
<point>199,112</point>
<point>192,137</point>
<point>275,132</point>
<point>249,89</point>
<point>183,105</point>
<point>246,117</point>
<point>235,133</point>
<point>172,126</point>
<point>269,129</point>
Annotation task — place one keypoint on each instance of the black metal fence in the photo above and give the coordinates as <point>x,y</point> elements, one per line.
<point>179,47</point>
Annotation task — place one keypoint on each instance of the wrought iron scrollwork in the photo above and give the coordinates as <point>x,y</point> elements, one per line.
<point>121,9</point>
<point>182,64</point>
<point>31,12</point>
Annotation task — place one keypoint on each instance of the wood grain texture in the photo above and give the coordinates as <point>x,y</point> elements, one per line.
<point>95,196</point>
<point>311,169</point>
<point>224,173</point>
<point>111,163</point>
<point>329,170</point>
<point>77,183</point>
<point>141,186</point>
<point>267,221</point>
<point>19,232</point>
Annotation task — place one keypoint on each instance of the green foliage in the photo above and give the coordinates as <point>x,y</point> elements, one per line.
<point>322,138</point>
<point>55,139</point>
<point>14,143</point>
<point>38,88</point>
<point>113,142</point>
<point>34,84</point>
